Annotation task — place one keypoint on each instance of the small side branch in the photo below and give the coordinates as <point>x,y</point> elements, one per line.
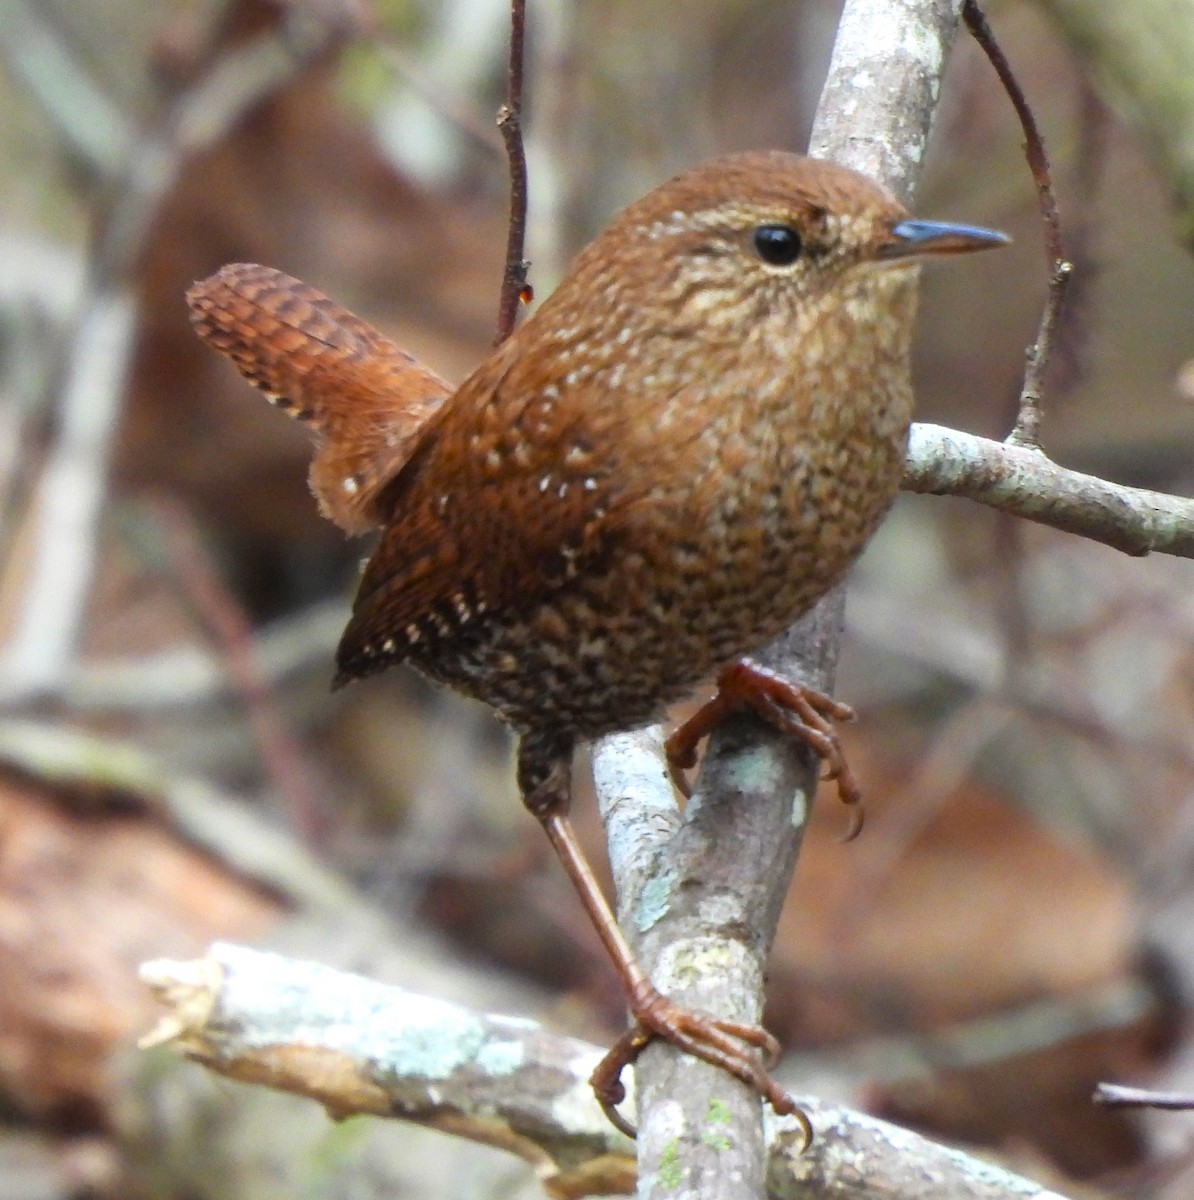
<point>1022,481</point>
<point>514,278</point>
<point>360,1047</point>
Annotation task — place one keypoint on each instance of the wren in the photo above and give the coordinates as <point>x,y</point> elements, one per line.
<point>684,448</point>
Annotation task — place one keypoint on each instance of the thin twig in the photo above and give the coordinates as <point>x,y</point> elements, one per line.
<point>514,277</point>
<point>1113,1095</point>
<point>1027,431</point>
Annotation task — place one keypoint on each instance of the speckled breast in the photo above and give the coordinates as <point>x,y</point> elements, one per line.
<point>720,565</point>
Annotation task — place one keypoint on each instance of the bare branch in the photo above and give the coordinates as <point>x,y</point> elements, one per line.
<point>1021,480</point>
<point>361,1047</point>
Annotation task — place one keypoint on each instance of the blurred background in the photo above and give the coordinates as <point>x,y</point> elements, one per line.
<point>1016,923</point>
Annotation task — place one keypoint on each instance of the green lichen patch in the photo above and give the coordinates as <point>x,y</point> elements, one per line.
<point>670,1172</point>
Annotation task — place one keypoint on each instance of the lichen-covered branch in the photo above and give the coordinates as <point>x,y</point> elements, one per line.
<point>882,88</point>
<point>1024,482</point>
<point>356,1046</point>
<point>359,1047</point>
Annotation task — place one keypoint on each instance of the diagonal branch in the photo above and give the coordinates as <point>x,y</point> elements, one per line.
<point>701,903</point>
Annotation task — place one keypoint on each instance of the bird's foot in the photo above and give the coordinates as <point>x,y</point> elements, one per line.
<point>792,708</point>
<point>746,1051</point>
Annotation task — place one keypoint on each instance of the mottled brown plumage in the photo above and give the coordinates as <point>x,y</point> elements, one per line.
<point>678,453</point>
<point>686,446</point>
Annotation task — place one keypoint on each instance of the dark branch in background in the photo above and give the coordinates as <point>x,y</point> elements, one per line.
<point>1028,423</point>
<point>514,277</point>
<point>228,627</point>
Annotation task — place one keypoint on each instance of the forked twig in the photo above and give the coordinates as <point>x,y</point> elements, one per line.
<point>1028,421</point>
<point>514,277</point>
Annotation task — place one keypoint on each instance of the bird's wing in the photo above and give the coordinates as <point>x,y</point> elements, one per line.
<point>508,495</point>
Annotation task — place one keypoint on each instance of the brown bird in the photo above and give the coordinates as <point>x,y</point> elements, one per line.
<point>677,454</point>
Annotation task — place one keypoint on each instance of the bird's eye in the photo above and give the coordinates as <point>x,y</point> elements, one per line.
<point>778,245</point>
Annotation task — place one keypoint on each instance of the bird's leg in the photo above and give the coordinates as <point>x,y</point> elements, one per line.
<point>792,708</point>
<point>544,776</point>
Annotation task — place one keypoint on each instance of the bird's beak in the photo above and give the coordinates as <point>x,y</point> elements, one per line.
<point>913,238</point>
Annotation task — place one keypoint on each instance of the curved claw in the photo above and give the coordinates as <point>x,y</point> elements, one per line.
<point>606,1079</point>
<point>676,774</point>
<point>717,1041</point>
<point>794,709</point>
